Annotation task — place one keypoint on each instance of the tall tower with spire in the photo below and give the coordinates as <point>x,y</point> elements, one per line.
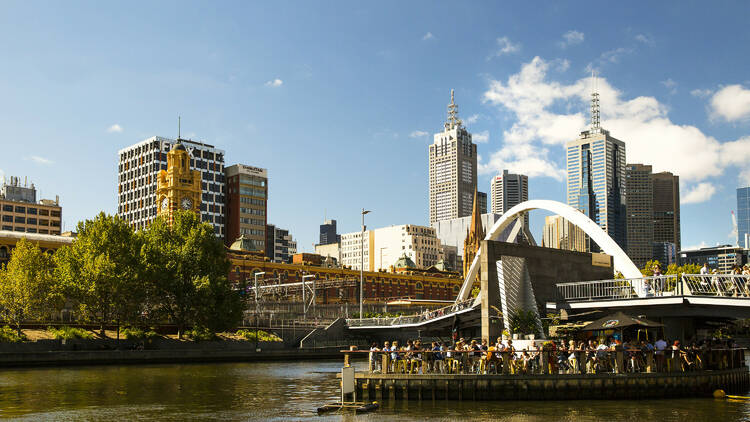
<point>453,170</point>
<point>596,176</point>
<point>474,235</point>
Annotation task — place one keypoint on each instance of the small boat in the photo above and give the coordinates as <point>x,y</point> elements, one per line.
<point>357,407</point>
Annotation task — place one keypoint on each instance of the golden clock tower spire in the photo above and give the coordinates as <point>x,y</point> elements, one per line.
<point>178,187</point>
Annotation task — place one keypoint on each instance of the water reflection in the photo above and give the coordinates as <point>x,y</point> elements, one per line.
<point>282,391</point>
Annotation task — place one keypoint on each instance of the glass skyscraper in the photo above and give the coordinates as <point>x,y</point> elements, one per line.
<point>596,177</point>
<point>743,217</point>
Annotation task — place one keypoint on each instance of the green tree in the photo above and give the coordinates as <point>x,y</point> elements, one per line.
<point>523,322</point>
<point>648,269</point>
<point>186,267</point>
<point>27,288</point>
<point>99,272</point>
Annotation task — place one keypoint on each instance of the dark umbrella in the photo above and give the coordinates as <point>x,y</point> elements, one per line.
<point>618,321</point>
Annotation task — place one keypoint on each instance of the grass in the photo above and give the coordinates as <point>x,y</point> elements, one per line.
<point>9,335</point>
<point>262,335</point>
<point>135,333</point>
<point>69,333</point>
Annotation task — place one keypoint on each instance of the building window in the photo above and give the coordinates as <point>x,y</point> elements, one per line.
<point>21,210</point>
<point>20,220</point>
<point>31,221</point>
<point>8,218</point>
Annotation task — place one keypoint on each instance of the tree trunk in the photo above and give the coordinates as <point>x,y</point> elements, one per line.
<point>118,331</point>
<point>101,331</point>
<point>18,328</point>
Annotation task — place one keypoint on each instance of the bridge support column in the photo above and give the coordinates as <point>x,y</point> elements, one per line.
<point>489,293</point>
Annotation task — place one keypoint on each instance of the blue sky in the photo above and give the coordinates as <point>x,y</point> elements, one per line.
<point>339,100</point>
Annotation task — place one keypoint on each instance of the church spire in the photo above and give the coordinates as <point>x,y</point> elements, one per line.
<point>453,120</point>
<point>475,234</point>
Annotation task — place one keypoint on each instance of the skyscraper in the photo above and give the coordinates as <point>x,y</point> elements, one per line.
<point>453,169</point>
<point>743,217</point>
<point>560,233</point>
<point>666,209</point>
<point>138,170</point>
<point>508,190</point>
<point>596,177</point>
<point>328,233</point>
<point>247,205</point>
<point>640,219</point>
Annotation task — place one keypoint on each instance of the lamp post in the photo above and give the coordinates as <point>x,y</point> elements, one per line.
<point>304,302</point>
<point>362,265</point>
<point>256,307</point>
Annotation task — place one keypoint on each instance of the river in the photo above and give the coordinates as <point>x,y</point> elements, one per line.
<point>279,391</point>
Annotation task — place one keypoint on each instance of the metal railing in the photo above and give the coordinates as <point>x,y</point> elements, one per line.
<point>616,360</point>
<point>411,319</point>
<point>718,285</point>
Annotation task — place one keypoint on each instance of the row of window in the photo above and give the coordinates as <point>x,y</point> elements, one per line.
<point>253,221</point>
<point>252,211</point>
<point>31,230</point>
<point>29,210</point>
<point>30,220</point>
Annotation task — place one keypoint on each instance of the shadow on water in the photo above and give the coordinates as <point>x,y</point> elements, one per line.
<point>279,391</point>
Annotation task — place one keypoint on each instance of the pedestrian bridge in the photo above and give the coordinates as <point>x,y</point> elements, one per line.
<point>440,316</point>
<point>716,294</point>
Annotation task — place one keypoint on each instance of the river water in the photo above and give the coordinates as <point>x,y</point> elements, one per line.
<point>281,391</point>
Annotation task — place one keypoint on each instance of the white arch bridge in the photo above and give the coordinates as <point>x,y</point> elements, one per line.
<point>635,285</point>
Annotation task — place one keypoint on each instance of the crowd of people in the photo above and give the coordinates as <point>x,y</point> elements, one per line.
<point>606,355</point>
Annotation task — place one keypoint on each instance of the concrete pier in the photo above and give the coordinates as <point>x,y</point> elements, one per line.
<point>550,387</point>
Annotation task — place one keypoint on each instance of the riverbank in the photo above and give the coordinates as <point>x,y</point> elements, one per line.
<point>205,354</point>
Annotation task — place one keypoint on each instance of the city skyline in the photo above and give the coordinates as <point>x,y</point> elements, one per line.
<point>261,92</point>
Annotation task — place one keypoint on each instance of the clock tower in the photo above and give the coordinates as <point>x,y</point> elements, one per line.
<point>178,186</point>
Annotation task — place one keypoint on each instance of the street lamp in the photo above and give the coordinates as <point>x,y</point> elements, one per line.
<point>304,302</point>
<point>362,265</point>
<point>256,307</point>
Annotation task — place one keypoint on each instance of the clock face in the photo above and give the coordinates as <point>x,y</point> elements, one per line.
<point>164,204</point>
<point>186,203</point>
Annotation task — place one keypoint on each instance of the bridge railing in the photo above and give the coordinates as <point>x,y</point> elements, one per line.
<point>410,319</point>
<point>718,285</point>
<point>727,285</point>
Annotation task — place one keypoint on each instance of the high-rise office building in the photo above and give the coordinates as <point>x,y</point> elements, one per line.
<point>666,208</point>
<point>560,233</point>
<point>640,220</point>
<point>247,205</point>
<point>453,170</point>
<point>743,217</point>
<point>596,177</point>
<point>508,190</point>
<point>21,212</point>
<point>138,171</point>
<point>280,245</point>
<point>328,233</point>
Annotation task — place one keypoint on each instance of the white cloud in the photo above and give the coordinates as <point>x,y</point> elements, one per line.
<point>524,158</point>
<point>731,103</point>
<point>275,83</point>
<point>701,93</point>
<point>694,247</point>
<point>40,160</point>
<point>548,113</point>
<point>701,192</point>
<point>505,46</point>
<point>571,37</point>
<point>671,85</point>
<point>562,65</point>
<point>115,128</point>
<point>645,39</point>
<point>428,36</point>
<point>472,119</point>
<point>482,137</point>
<point>418,134</point>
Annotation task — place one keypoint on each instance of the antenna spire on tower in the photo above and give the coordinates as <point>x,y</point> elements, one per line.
<point>595,116</point>
<point>453,120</point>
<point>179,124</point>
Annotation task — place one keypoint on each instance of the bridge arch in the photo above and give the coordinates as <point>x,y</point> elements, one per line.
<point>621,262</point>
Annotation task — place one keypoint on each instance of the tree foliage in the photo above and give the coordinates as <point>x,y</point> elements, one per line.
<point>648,268</point>
<point>27,290</point>
<point>524,322</point>
<point>99,271</point>
<point>185,269</point>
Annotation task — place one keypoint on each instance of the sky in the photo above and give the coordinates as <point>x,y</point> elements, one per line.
<point>339,100</point>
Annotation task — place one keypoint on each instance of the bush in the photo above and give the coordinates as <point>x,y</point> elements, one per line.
<point>135,333</point>
<point>69,333</point>
<point>9,335</point>
<point>262,335</point>
<point>201,334</point>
